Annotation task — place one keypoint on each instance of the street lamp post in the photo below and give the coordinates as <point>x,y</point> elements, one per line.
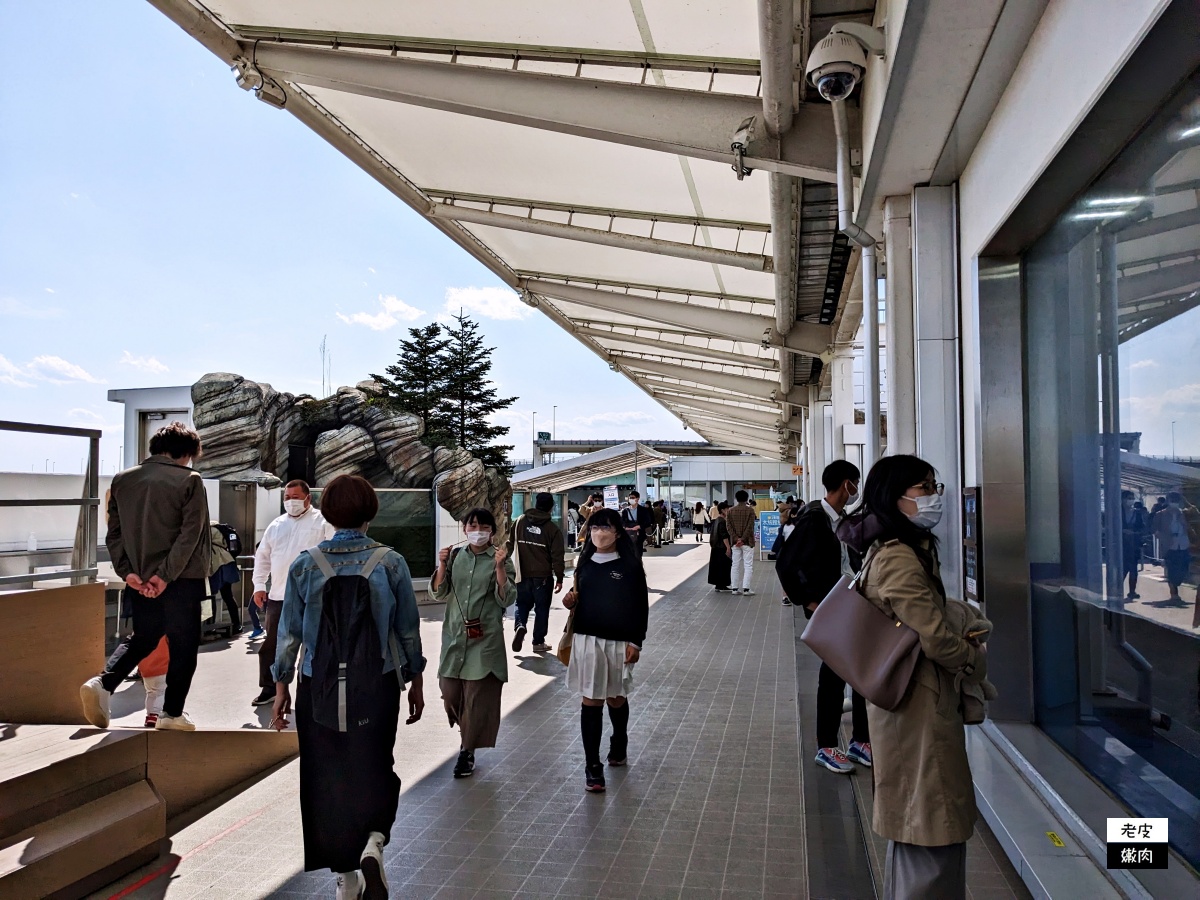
<point>553,427</point>
<point>1172,439</point>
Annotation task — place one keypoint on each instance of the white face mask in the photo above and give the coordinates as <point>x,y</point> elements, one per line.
<point>929,511</point>
<point>294,507</point>
<point>479,538</point>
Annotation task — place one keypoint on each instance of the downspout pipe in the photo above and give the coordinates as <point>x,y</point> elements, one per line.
<point>870,301</point>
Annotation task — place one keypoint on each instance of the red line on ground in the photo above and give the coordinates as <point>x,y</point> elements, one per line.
<point>174,864</point>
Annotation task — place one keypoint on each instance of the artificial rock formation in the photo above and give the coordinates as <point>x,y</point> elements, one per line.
<point>247,430</point>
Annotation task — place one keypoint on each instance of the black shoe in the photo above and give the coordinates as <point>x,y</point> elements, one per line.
<point>266,695</point>
<point>594,779</point>
<point>465,767</point>
<point>787,602</point>
<point>519,638</point>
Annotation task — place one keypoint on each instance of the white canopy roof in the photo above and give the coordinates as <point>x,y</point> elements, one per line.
<point>588,468</point>
<point>585,153</point>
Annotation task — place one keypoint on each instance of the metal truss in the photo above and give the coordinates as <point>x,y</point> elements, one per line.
<point>673,392</point>
<point>803,337</point>
<point>669,349</point>
<point>671,120</point>
<point>1157,281</point>
<point>735,413</point>
<point>759,388</point>
<point>722,298</point>
<point>514,53</point>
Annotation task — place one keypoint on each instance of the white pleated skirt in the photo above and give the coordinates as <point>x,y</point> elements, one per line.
<point>598,669</point>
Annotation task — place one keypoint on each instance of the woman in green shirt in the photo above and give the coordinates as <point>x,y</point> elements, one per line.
<point>476,583</point>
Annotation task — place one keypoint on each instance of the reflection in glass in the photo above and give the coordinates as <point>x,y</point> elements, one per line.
<point>1113,426</point>
<point>404,523</point>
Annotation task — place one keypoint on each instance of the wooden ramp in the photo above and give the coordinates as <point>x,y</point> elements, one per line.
<point>80,807</point>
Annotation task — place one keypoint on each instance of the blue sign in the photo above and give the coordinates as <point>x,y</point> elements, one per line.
<point>768,530</point>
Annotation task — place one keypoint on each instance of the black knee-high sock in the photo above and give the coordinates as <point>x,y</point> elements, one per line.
<point>619,716</point>
<point>591,725</point>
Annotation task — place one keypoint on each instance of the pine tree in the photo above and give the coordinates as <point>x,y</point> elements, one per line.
<point>470,397</point>
<point>416,383</point>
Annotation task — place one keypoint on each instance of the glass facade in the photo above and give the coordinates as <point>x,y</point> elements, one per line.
<point>404,523</point>
<point>1112,357</point>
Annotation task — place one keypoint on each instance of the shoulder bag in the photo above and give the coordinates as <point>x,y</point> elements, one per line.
<point>873,652</point>
<point>564,643</point>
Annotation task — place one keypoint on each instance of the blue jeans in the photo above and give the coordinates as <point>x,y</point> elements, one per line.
<point>535,594</point>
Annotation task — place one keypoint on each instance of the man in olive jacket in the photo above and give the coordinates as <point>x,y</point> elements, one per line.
<point>536,547</point>
<point>158,538</point>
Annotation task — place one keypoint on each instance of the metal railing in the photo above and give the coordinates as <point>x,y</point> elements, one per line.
<point>87,531</point>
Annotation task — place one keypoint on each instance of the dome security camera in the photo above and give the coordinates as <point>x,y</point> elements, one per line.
<point>838,62</point>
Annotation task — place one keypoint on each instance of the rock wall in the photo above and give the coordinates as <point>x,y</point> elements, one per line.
<point>247,429</point>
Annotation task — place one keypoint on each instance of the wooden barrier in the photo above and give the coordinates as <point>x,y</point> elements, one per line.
<point>51,642</point>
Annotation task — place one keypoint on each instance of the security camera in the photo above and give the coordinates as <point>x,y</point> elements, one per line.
<point>837,64</point>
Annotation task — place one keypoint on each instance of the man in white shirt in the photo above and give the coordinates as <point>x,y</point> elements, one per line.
<point>300,528</point>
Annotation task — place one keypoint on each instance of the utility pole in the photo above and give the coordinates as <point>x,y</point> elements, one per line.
<point>533,428</point>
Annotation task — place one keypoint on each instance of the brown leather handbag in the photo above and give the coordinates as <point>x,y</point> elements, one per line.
<point>874,653</point>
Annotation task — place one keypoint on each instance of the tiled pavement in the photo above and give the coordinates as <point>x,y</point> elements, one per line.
<point>711,805</point>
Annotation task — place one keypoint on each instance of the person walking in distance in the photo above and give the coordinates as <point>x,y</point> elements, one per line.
<point>699,520</point>
<point>301,527</point>
<point>476,584</point>
<point>612,607</point>
<point>740,519</point>
<point>349,601</point>
<point>638,522</point>
<point>535,545</point>
<point>809,565</point>
<point>159,543</point>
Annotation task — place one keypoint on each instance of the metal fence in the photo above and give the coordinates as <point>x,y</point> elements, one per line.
<point>87,533</point>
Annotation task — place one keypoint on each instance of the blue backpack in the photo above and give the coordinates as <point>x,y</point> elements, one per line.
<point>345,685</point>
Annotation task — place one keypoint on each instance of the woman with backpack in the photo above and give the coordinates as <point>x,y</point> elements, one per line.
<point>477,583</point>
<point>611,606</point>
<point>350,602</point>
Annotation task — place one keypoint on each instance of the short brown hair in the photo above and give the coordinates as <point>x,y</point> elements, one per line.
<point>300,483</point>
<point>349,501</point>
<point>176,440</point>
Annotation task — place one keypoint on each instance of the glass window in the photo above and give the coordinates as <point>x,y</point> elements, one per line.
<point>1113,345</point>
<point>404,523</point>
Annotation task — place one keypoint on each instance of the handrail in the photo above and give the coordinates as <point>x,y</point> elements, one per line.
<point>87,530</point>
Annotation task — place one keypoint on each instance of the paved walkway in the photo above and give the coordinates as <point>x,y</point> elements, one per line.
<point>711,805</point>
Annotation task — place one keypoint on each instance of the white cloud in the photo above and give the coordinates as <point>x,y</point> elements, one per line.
<point>57,370</point>
<point>488,302</point>
<point>392,311</point>
<point>11,374</point>
<point>613,418</point>
<point>371,270</point>
<point>74,196</point>
<point>1176,401</point>
<point>145,363</point>
<point>1144,364</point>
<point>79,413</point>
<point>13,307</point>
<point>49,290</point>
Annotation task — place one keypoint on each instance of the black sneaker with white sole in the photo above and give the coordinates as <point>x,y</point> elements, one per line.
<point>594,779</point>
<point>465,767</point>
<point>265,696</point>
<point>519,638</point>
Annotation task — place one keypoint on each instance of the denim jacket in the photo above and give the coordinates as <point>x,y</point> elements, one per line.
<point>392,601</point>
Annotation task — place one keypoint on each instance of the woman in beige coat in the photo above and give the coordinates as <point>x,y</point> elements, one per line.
<point>924,798</point>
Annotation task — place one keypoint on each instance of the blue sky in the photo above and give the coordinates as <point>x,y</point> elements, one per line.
<point>159,223</point>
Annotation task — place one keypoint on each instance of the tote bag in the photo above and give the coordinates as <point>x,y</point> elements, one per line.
<point>871,651</point>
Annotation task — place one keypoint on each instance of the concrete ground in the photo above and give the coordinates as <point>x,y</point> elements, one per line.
<point>710,805</point>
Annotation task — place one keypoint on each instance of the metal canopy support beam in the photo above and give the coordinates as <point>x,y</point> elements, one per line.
<point>733,413</point>
<point>660,347</point>
<point>805,338</point>
<point>688,123</point>
<point>740,440</point>
<point>1157,281</point>
<point>685,391</point>
<point>657,289</point>
<point>741,384</point>
<point>753,261</point>
<point>763,432</point>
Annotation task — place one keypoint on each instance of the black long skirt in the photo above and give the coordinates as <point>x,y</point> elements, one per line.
<point>348,783</point>
<point>720,566</point>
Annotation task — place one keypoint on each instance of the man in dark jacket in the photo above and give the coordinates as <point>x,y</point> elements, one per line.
<point>158,538</point>
<point>810,563</point>
<point>638,521</point>
<point>539,554</point>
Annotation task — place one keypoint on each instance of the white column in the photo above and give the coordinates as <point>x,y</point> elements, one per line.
<point>841,383</point>
<point>870,355</point>
<point>935,288</point>
<point>901,373</point>
<point>816,461</point>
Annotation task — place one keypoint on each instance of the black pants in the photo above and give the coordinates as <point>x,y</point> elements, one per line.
<point>535,594</point>
<point>174,613</point>
<point>830,694</point>
<point>235,612</point>
<point>348,783</point>
<point>266,652</point>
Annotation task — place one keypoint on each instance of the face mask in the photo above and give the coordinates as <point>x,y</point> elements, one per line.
<point>633,501</point>
<point>929,511</point>
<point>294,507</point>
<point>479,538</point>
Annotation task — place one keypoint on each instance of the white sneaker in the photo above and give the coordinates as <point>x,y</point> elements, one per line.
<point>180,722</point>
<point>748,593</point>
<point>95,702</point>
<point>376,886</point>
<point>349,885</point>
